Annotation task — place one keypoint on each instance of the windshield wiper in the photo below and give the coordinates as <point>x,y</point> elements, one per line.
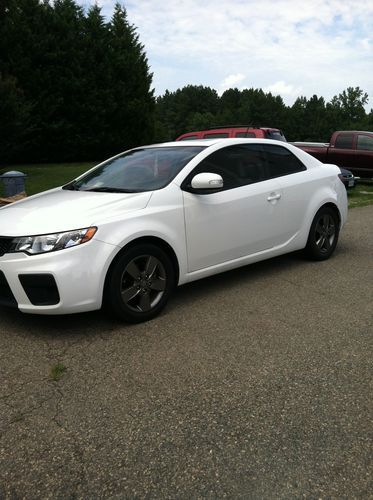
<point>110,190</point>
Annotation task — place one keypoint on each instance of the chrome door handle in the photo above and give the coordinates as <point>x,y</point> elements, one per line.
<point>273,197</point>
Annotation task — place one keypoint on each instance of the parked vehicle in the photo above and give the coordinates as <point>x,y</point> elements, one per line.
<point>352,150</point>
<point>127,231</point>
<point>348,178</point>
<point>235,132</point>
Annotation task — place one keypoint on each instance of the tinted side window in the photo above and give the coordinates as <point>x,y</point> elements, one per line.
<point>245,134</point>
<point>281,161</point>
<point>218,135</point>
<point>238,165</point>
<point>189,138</point>
<point>365,142</point>
<point>344,141</point>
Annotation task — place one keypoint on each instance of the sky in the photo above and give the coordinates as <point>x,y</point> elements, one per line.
<point>288,47</point>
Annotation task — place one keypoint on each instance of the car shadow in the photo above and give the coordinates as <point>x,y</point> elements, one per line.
<point>96,322</point>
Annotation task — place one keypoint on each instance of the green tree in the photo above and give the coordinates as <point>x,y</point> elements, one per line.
<point>15,122</point>
<point>84,83</point>
<point>96,83</point>
<point>351,104</point>
<point>130,113</point>
<point>229,106</point>
<point>191,107</point>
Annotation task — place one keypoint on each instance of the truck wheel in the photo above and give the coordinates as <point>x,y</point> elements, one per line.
<point>140,283</point>
<point>323,235</point>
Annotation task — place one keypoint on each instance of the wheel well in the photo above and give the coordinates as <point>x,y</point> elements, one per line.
<point>335,209</point>
<point>147,239</point>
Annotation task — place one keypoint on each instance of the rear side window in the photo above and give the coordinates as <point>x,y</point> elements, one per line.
<point>189,138</point>
<point>344,141</point>
<point>245,134</point>
<point>280,161</point>
<point>218,135</point>
<point>365,142</point>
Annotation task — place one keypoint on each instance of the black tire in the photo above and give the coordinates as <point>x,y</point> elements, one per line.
<point>323,235</point>
<point>139,283</point>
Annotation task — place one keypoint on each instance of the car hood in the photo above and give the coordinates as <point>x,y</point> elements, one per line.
<point>60,210</point>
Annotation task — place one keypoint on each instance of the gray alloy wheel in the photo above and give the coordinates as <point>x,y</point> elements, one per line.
<point>139,283</point>
<point>325,232</point>
<point>143,283</point>
<point>323,235</point>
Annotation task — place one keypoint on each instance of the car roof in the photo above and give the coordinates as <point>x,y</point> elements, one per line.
<point>212,142</point>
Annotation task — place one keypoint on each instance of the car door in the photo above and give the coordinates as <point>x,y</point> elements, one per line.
<point>242,218</point>
<point>364,155</point>
<point>296,187</point>
<point>343,153</point>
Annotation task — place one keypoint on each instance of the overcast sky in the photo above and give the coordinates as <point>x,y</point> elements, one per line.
<point>288,47</point>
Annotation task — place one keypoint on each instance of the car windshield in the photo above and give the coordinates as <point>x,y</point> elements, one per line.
<point>138,170</point>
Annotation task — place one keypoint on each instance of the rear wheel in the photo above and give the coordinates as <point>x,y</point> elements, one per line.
<point>140,283</point>
<point>323,236</point>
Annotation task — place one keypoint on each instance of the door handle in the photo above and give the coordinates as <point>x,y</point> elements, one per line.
<point>273,197</point>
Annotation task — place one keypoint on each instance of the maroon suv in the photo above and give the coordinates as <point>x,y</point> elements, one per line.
<point>236,131</point>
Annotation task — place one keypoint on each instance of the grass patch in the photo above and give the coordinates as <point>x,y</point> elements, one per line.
<point>42,177</point>
<point>361,195</point>
<point>57,371</point>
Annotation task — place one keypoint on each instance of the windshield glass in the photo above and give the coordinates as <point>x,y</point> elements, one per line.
<point>138,170</point>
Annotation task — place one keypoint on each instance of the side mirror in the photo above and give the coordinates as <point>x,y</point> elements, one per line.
<point>207,180</point>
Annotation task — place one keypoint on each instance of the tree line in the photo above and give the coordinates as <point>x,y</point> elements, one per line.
<point>197,107</point>
<point>74,86</point>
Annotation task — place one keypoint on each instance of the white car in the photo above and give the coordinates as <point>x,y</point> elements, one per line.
<point>129,230</point>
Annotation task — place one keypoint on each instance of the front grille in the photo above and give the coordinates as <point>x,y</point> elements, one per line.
<point>4,245</point>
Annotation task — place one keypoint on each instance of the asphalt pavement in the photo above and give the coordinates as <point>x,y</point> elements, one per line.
<point>252,384</point>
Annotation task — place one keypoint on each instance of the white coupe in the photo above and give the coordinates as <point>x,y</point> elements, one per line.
<point>129,230</point>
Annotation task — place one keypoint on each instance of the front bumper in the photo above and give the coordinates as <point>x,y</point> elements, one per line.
<point>67,281</point>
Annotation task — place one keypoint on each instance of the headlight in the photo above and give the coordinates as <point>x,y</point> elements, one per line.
<point>51,242</point>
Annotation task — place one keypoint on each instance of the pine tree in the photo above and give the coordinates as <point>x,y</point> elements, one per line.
<point>130,114</point>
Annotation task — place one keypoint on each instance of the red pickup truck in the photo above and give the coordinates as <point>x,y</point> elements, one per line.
<point>347,149</point>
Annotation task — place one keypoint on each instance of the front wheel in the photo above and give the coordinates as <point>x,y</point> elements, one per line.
<point>139,283</point>
<point>323,236</point>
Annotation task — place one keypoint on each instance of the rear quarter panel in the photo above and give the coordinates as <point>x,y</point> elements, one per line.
<point>305,193</point>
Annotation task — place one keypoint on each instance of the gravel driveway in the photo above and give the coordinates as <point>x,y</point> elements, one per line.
<point>252,384</point>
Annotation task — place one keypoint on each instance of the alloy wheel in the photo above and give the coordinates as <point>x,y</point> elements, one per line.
<point>143,283</point>
<point>325,233</point>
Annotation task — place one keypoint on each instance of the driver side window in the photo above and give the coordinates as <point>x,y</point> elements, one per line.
<point>238,165</point>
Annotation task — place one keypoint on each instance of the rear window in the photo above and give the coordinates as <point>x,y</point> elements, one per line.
<point>276,135</point>
<point>344,141</point>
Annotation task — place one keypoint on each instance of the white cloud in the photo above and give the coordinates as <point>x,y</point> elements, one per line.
<point>284,89</point>
<point>321,47</point>
<point>231,81</point>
